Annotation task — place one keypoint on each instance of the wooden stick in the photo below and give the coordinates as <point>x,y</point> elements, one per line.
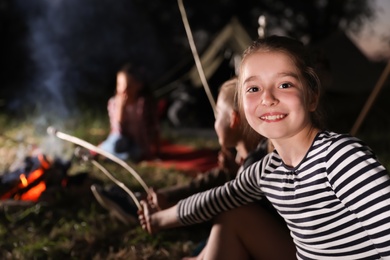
<point>371,99</point>
<point>120,184</point>
<point>91,147</point>
<point>87,157</point>
<point>196,55</point>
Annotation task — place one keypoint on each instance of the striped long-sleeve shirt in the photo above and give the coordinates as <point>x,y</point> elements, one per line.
<point>336,202</point>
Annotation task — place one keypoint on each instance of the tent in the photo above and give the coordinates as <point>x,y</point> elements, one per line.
<point>233,37</point>
<point>352,72</point>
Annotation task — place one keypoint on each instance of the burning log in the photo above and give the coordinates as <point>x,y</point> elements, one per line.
<point>28,182</point>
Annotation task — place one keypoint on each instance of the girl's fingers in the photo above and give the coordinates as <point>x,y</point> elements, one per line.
<point>144,216</point>
<point>141,214</point>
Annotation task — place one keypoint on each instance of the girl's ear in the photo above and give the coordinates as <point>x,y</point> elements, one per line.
<point>313,104</point>
<point>234,119</point>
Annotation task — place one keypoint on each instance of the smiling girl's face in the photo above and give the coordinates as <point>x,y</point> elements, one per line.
<point>273,95</point>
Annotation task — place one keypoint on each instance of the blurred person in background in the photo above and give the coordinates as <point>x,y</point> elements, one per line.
<point>133,114</point>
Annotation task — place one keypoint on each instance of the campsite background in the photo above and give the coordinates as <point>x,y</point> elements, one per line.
<point>57,68</point>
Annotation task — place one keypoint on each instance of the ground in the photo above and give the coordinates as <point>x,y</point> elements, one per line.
<point>67,222</point>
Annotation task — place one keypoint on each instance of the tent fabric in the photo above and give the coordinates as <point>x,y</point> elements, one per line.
<point>232,36</point>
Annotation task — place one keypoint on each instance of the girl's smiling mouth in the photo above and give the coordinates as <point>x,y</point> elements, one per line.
<point>272,117</point>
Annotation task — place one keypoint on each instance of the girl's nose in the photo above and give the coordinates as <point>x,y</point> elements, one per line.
<point>268,98</point>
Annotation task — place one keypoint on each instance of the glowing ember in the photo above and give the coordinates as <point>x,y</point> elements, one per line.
<point>23,179</point>
<point>31,184</point>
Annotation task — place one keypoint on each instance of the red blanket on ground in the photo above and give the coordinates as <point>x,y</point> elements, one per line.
<point>185,158</point>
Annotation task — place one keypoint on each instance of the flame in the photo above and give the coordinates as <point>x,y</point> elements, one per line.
<point>23,180</point>
<point>34,192</point>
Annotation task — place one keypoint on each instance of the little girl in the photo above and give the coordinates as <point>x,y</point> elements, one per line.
<point>330,189</point>
<point>132,111</point>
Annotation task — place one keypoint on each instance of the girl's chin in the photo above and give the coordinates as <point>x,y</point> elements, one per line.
<point>272,133</point>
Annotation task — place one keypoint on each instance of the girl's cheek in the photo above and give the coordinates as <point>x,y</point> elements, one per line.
<point>248,111</point>
<point>249,105</point>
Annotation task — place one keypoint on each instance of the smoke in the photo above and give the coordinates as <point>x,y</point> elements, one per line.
<point>75,47</point>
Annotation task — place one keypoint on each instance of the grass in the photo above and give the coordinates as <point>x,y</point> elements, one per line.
<point>69,223</point>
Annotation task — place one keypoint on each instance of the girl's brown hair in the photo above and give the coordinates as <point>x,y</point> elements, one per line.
<point>228,91</point>
<point>304,63</point>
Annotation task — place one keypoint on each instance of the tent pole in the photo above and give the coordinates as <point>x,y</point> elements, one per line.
<point>371,99</point>
<point>196,55</point>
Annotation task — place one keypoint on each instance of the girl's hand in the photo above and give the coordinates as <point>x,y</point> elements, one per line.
<point>120,103</point>
<point>158,200</point>
<point>121,99</point>
<point>146,217</point>
<point>153,220</point>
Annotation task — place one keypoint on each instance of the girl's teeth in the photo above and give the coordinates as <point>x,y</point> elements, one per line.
<point>274,117</point>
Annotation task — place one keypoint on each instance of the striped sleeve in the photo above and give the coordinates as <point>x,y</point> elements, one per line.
<point>204,206</point>
<point>363,185</point>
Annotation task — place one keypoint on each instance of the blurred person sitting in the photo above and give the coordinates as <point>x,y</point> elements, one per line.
<point>133,114</point>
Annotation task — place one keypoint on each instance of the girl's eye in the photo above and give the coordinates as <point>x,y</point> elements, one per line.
<point>253,89</point>
<point>285,85</point>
